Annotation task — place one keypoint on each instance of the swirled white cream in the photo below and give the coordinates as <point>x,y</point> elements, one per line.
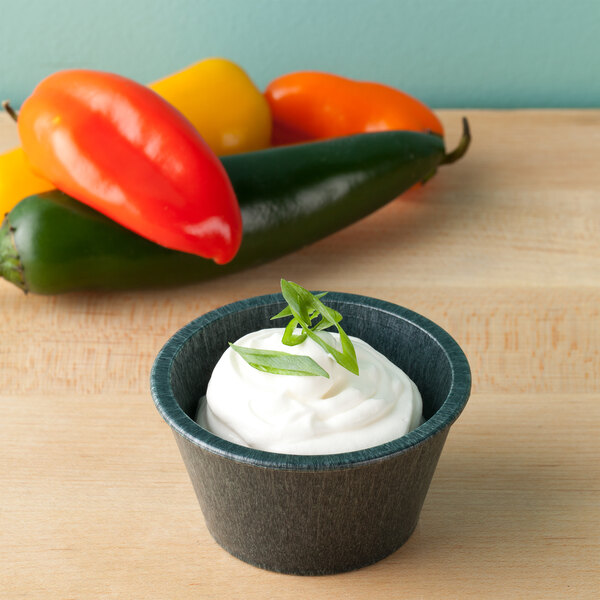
<point>309,414</point>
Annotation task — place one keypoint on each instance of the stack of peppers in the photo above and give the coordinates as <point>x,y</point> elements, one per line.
<point>155,206</point>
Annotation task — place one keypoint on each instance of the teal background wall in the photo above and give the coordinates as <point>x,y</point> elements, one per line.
<point>449,53</point>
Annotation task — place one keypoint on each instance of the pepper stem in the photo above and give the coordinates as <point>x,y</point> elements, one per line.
<point>10,110</point>
<point>462,147</point>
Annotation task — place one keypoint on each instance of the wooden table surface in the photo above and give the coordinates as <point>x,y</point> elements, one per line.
<point>501,249</point>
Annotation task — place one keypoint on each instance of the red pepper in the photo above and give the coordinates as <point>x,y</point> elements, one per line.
<point>311,105</point>
<point>123,150</point>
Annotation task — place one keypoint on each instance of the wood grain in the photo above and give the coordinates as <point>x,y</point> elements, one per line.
<point>501,249</point>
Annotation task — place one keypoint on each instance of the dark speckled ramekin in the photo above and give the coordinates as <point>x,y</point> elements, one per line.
<point>312,515</point>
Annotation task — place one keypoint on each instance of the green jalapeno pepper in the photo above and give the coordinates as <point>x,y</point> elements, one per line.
<point>289,197</point>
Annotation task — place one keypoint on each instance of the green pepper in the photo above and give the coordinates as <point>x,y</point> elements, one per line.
<point>289,197</point>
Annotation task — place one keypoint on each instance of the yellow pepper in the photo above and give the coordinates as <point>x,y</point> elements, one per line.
<point>222,103</point>
<point>17,180</point>
<point>215,94</point>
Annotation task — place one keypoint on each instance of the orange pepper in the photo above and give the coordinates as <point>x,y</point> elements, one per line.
<point>310,105</point>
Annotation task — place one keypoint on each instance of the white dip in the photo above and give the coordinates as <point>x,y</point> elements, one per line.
<point>309,414</point>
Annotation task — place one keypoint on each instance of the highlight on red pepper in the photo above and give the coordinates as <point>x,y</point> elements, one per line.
<point>311,105</point>
<point>117,146</point>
